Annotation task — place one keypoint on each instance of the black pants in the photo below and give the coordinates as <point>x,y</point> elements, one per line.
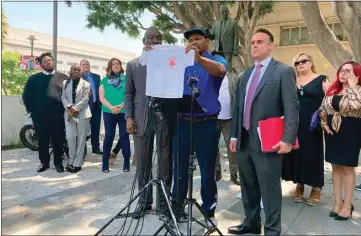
<point>50,128</point>
<point>95,121</point>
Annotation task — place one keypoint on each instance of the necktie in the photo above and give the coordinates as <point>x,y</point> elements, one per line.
<point>250,95</point>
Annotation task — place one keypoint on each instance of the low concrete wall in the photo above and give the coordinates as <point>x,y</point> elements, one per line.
<point>13,118</point>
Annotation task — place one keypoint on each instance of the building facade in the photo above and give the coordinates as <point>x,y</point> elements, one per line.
<point>69,51</point>
<point>291,36</point>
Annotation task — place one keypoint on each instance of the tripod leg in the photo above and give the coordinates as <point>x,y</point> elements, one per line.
<point>124,208</point>
<point>170,207</point>
<point>207,218</point>
<point>158,231</point>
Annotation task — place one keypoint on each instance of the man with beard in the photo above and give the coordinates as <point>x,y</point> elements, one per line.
<point>41,98</point>
<point>137,113</point>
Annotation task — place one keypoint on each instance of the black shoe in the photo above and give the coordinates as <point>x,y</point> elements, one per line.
<point>69,168</point>
<point>235,180</point>
<point>244,229</point>
<point>59,168</point>
<point>358,187</point>
<point>218,175</point>
<point>97,152</point>
<point>43,168</point>
<point>139,212</point>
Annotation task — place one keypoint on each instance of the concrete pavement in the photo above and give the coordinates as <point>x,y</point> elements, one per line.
<point>52,203</point>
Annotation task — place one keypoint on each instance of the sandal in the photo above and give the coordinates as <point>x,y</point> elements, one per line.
<point>315,197</point>
<point>298,195</point>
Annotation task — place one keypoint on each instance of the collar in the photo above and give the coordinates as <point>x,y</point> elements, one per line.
<point>265,62</point>
<point>47,73</point>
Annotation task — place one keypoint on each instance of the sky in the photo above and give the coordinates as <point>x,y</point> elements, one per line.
<point>38,16</point>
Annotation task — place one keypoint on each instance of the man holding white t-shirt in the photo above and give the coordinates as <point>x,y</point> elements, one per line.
<point>137,112</point>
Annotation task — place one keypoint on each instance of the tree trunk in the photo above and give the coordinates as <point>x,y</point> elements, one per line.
<point>347,13</point>
<point>322,35</point>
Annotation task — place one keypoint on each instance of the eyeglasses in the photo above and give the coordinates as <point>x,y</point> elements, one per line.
<point>297,63</point>
<point>346,71</point>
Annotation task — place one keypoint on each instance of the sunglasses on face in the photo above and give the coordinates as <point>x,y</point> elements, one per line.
<point>297,63</point>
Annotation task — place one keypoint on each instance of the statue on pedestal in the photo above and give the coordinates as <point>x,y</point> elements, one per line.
<point>226,38</point>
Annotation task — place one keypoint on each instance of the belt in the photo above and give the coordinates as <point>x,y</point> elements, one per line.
<point>200,118</point>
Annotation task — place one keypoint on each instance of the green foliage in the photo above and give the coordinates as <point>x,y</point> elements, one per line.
<point>13,78</point>
<point>170,16</point>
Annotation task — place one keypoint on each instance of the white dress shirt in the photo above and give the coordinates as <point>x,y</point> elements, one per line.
<point>225,100</point>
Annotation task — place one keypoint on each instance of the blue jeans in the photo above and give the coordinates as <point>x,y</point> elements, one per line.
<point>205,144</point>
<point>110,123</point>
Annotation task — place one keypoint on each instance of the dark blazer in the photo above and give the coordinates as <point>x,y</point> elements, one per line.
<point>96,78</point>
<point>276,96</point>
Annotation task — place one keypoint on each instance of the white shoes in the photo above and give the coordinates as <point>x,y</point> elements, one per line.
<point>239,196</point>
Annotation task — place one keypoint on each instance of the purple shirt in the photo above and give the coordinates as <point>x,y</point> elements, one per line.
<point>208,85</point>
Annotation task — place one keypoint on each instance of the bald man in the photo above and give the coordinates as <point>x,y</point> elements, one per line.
<point>75,97</point>
<point>137,113</point>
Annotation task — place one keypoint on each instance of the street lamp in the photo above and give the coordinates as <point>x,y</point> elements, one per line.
<point>31,38</point>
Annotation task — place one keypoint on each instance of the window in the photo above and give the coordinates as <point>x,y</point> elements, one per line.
<point>95,67</point>
<point>299,34</point>
<point>59,62</point>
<point>305,37</point>
<point>70,63</point>
<point>295,36</point>
<point>285,37</point>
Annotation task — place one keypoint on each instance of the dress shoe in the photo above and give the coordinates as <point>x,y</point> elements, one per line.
<point>139,212</point>
<point>75,170</point>
<point>59,168</point>
<point>43,168</point>
<point>235,180</point>
<point>218,175</point>
<point>358,187</point>
<point>342,218</point>
<point>97,152</point>
<point>244,229</point>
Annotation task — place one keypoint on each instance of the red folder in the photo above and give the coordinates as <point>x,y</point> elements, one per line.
<point>270,132</point>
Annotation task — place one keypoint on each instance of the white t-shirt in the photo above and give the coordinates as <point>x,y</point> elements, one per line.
<point>225,100</point>
<point>165,70</point>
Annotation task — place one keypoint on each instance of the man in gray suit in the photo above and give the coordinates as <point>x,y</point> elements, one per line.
<point>266,90</point>
<point>75,97</point>
<point>137,115</point>
<point>226,38</point>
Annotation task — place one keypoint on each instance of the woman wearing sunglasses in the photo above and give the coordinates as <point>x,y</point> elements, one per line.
<point>111,93</point>
<point>341,121</point>
<point>305,166</point>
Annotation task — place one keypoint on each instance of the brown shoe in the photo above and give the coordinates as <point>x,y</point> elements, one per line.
<point>315,197</point>
<point>112,158</point>
<point>298,195</point>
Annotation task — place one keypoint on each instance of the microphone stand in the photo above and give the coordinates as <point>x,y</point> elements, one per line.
<point>190,201</point>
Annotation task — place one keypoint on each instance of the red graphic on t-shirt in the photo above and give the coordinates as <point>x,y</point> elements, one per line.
<point>172,62</point>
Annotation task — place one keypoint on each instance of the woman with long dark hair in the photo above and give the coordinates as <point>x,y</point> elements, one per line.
<point>341,121</point>
<point>111,94</point>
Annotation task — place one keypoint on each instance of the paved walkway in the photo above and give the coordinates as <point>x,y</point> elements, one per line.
<point>51,203</point>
